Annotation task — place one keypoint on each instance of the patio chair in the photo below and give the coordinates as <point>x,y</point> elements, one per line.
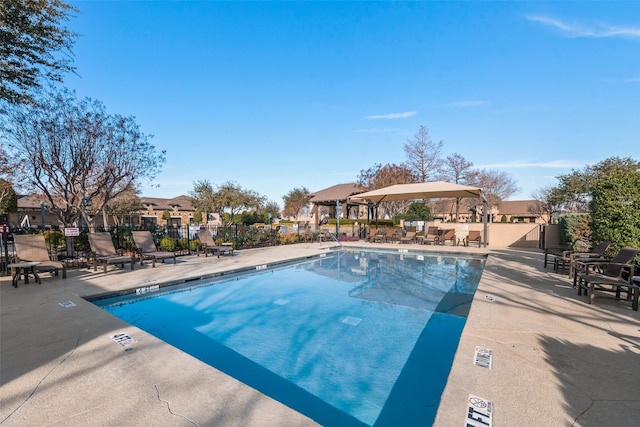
<point>393,234</point>
<point>371,235</point>
<point>327,236</point>
<point>104,252</point>
<point>569,258</point>
<point>208,245</point>
<point>33,248</point>
<point>447,235</point>
<point>378,236</point>
<point>431,236</point>
<point>610,278</point>
<point>557,251</point>
<point>147,249</point>
<point>410,237</point>
<point>475,236</point>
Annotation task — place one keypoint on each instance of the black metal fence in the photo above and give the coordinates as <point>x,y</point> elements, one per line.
<point>182,239</point>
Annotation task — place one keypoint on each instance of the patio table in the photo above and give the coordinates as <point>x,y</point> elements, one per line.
<point>25,268</point>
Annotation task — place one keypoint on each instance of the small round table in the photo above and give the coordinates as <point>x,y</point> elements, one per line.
<point>26,268</point>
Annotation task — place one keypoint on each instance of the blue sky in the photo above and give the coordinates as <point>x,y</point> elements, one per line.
<point>278,95</point>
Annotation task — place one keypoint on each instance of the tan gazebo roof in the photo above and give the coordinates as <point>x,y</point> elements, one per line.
<point>338,192</point>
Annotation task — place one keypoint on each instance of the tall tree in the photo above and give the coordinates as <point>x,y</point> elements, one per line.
<point>458,170</point>
<point>423,155</point>
<point>576,187</point>
<point>203,196</point>
<point>11,175</point>
<point>74,151</point>
<point>295,200</point>
<point>34,46</point>
<point>230,197</point>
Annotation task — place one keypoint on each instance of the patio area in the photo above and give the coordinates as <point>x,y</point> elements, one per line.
<point>556,360</point>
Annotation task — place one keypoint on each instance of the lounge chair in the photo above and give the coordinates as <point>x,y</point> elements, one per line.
<point>371,235</point>
<point>392,234</point>
<point>208,245</point>
<point>475,236</point>
<point>103,251</point>
<point>557,251</point>
<point>327,236</point>
<point>610,278</point>
<point>569,258</point>
<point>33,248</point>
<point>377,236</point>
<point>432,236</point>
<point>410,237</point>
<point>447,235</point>
<point>147,249</point>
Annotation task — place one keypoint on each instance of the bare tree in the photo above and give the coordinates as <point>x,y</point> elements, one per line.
<point>34,45</point>
<point>73,151</point>
<point>549,202</point>
<point>423,155</point>
<point>379,176</point>
<point>496,185</point>
<point>458,170</point>
<point>122,206</point>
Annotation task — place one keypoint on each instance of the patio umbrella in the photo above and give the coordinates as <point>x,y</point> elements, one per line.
<point>425,190</point>
<point>420,190</point>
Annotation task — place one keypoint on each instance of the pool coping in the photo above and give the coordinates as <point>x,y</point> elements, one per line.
<point>50,354</point>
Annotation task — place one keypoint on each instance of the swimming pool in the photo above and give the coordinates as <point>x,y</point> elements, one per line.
<point>354,337</point>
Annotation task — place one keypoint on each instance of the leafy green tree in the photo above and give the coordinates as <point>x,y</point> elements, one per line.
<point>166,215</point>
<point>203,196</point>
<point>295,200</point>
<point>232,198</point>
<point>197,217</point>
<point>228,199</point>
<point>418,212</point>
<point>34,46</point>
<point>8,197</point>
<point>271,210</point>
<point>575,189</point>
<point>615,208</point>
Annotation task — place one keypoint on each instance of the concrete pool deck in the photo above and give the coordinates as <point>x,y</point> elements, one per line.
<point>556,360</point>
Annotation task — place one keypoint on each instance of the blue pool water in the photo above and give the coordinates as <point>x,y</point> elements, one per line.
<point>352,338</point>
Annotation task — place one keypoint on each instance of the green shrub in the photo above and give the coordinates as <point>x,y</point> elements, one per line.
<point>54,239</point>
<point>168,244</point>
<point>575,229</point>
<point>183,243</point>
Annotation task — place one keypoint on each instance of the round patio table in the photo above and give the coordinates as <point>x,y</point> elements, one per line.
<point>25,268</point>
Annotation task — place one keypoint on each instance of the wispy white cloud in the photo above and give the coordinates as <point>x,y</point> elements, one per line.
<point>467,104</point>
<point>521,164</point>
<point>594,31</point>
<point>392,116</point>
<point>630,80</point>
